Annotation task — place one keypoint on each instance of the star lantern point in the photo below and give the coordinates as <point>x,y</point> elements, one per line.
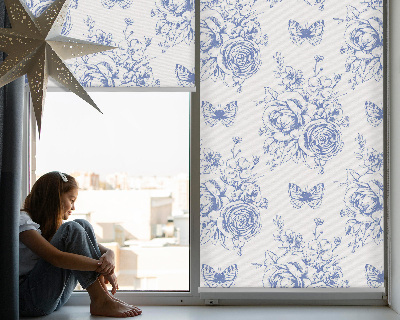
<point>35,47</point>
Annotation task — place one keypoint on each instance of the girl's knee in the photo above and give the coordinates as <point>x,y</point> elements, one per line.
<point>85,225</point>
<point>72,225</point>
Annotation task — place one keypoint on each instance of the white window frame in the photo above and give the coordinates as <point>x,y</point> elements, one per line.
<point>247,296</point>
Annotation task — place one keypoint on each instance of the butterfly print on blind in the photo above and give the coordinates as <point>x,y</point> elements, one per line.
<point>313,33</point>
<point>312,197</point>
<point>224,114</point>
<point>218,278</point>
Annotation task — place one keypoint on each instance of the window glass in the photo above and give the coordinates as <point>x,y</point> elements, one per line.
<point>132,166</point>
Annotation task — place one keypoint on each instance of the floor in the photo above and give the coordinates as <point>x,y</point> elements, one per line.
<point>239,312</point>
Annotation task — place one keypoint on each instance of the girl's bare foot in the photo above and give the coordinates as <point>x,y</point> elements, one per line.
<point>102,282</point>
<point>109,307</point>
<point>102,304</point>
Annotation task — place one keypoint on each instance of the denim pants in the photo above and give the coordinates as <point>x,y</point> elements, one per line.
<point>46,288</point>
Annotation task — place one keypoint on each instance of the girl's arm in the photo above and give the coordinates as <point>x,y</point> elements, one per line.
<point>65,260</point>
<point>107,260</point>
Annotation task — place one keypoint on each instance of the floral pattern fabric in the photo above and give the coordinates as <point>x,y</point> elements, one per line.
<point>154,41</point>
<point>291,160</point>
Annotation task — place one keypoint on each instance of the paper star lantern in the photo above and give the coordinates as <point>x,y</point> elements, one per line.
<point>35,47</point>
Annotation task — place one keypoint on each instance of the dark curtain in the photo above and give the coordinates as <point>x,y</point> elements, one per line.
<point>11,116</point>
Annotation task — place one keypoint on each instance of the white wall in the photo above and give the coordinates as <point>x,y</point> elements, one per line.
<point>394,42</point>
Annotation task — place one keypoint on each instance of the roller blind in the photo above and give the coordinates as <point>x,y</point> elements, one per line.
<point>292,192</point>
<point>155,41</point>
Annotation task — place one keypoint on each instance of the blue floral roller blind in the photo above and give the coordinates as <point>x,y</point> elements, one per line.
<point>155,40</point>
<point>292,143</point>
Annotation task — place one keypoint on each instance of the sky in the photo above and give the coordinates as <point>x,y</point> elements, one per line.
<point>140,133</point>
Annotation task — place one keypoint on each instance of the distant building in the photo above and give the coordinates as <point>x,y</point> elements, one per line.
<point>117,181</point>
<point>180,193</point>
<point>181,224</point>
<point>87,180</point>
<point>153,268</point>
<point>142,214</point>
<point>146,224</point>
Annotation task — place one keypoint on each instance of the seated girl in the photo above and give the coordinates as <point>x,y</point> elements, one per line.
<point>54,256</point>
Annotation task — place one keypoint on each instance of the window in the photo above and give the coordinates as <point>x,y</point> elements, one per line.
<point>219,113</point>
<point>132,166</point>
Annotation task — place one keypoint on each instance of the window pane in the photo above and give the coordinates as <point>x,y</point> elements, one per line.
<point>132,166</point>
<point>292,144</point>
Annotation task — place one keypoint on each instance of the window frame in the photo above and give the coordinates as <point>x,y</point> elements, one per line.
<point>232,296</point>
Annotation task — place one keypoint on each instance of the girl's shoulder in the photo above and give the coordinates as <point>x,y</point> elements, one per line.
<point>26,223</point>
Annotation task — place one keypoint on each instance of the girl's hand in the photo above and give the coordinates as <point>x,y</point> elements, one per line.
<point>112,279</point>
<point>107,265</point>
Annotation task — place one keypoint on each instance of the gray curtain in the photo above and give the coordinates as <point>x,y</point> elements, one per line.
<point>11,111</point>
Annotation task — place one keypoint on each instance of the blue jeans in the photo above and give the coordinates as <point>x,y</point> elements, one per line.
<point>47,288</point>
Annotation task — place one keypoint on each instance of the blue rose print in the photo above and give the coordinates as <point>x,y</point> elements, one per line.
<point>364,42</point>
<point>372,159</point>
<point>231,205</point>
<point>230,42</point>
<point>240,58</point>
<point>303,121</point>
<point>284,119</point>
<point>374,4</point>
<point>211,197</point>
<point>239,221</point>
<point>304,127</point>
<point>37,7</point>
<point>209,160</point>
<point>129,65</point>
<point>320,140</point>
<point>300,264</point>
<point>374,113</point>
<point>290,275</point>
<point>184,76</point>
<point>292,79</point>
<point>126,66</point>
<point>272,3</point>
<point>124,4</point>
<point>318,3</point>
<point>364,199</point>
<point>174,22</point>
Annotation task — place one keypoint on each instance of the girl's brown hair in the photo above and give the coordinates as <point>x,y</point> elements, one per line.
<point>43,203</point>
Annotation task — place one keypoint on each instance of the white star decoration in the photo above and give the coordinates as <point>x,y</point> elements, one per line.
<point>35,47</point>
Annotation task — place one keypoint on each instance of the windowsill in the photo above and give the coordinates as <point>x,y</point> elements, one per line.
<point>240,312</point>
<point>339,298</point>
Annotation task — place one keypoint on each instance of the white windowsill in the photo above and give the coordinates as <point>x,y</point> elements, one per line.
<point>239,312</point>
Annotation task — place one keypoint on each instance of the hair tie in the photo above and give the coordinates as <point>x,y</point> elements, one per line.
<point>63,177</point>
